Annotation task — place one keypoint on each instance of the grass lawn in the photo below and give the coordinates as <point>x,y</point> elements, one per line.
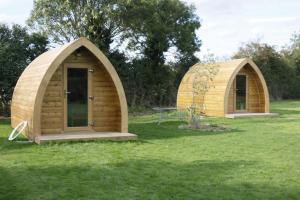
<point>258,159</point>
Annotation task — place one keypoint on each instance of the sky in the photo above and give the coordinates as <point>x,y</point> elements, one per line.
<point>226,24</point>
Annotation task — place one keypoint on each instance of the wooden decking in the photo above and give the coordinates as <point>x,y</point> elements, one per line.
<point>243,115</point>
<point>76,136</point>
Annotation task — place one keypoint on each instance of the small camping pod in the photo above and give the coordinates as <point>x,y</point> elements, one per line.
<point>224,89</point>
<point>71,92</point>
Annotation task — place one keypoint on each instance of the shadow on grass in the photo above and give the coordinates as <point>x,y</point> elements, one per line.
<point>6,146</point>
<point>5,129</point>
<point>281,118</point>
<point>166,130</point>
<point>138,179</point>
<point>22,143</point>
<point>286,112</point>
<point>145,132</point>
<point>285,116</point>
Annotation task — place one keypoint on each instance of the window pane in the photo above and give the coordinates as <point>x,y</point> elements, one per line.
<point>241,92</point>
<point>77,97</point>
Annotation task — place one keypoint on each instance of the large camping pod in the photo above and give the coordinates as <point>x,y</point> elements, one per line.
<point>71,93</point>
<point>225,89</point>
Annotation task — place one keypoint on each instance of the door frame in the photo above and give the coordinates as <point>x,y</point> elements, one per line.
<point>66,66</point>
<point>246,106</point>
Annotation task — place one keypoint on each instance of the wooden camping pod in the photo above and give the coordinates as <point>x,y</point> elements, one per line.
<point>39,96</point>
<point>221,96</point>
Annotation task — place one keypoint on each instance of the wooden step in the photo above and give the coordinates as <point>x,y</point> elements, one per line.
<point>79,136</point>
<point>245,115</point>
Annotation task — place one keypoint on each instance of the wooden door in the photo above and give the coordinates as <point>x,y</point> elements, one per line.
<point>77,104</point>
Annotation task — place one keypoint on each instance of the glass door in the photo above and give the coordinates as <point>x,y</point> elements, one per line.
<point>241,93</point>
<point>77,97</point>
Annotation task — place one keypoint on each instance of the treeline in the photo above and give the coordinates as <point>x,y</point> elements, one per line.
<point>151,43</point>
<point>281,68</point>
<point>137,37</point>
<point>17,49</point>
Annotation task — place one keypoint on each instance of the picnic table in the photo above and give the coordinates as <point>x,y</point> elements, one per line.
<point>170,113</point>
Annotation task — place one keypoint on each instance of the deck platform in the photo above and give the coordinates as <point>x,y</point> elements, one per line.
<point>81,136</point>
<point>244,115</point>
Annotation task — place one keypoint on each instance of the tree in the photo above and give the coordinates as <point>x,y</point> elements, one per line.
<point>292,53</point>
<point>17,49</point>
<point>276,70</point>
<point>203,81</point>
<point>149,28</point>
<point>152,28</point>
<point>63,21</point>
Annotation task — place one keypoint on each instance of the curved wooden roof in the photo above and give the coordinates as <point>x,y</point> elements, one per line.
<point>31,86</point>
<point>217,96</point>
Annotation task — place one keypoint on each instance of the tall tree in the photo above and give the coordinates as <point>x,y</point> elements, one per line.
<point>149,27</point>
<point>292,53</point>
<point>64,21</point>
<point>17,49</point>
<point>152,28</point>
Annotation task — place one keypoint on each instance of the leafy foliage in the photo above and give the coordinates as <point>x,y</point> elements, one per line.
<point>147,28</point>
<point>202,82</point>
<point>17,49</point>
<point>64,21</point>
<point>152,29</point>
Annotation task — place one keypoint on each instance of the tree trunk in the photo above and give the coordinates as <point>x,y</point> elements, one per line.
<point>5,109</point>
<point>133,99</point>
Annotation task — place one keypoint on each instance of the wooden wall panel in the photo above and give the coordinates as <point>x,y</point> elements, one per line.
<point>106,104</point>
<point>255,95</point>
<point>231,99</point>
<point>25,94</point>
<point>52,115</point>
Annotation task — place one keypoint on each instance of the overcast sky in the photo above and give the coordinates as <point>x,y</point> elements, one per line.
<point>226,24</point>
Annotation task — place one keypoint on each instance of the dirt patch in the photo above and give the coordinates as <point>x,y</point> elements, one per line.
<point>206,127</point>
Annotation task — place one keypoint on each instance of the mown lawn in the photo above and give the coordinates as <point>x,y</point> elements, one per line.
<point>258,159</point>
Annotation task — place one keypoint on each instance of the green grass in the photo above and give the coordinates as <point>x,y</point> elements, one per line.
<point>258,159</point>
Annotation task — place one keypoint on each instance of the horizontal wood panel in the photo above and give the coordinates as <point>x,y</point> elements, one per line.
<point>104,129</point>
<point>106,106</point>
<point>52,107</point>
<point>52,131</point>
